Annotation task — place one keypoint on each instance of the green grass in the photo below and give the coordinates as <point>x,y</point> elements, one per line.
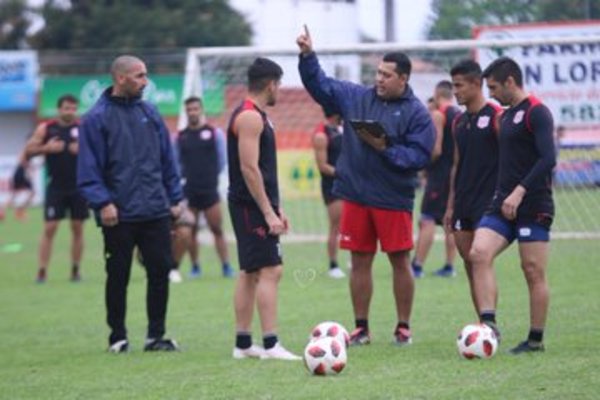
<point>53,336</point>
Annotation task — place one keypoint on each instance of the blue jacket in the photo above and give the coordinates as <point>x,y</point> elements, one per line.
<point>363,175</point>
<point>125,157</point>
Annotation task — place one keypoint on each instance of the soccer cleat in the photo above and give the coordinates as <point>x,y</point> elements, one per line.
<point>41,276</point>
<point>418,271</point>
<point>121,346</point>
<point>75,275</point>
<point>175,276</point>
<point>494,328</point>
<point>161,345</point>
<point>527,347</point>
<point>447,271</point>
<point>196,271</point>
<point>278,352</point>
<point>360,337</point>
<point>251,352</point>
<point>402,337</point>
<point>228,272</point>
<point>336,273</point>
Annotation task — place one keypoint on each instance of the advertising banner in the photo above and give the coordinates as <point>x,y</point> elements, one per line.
<point>18,80</point>
<point>164,91</point>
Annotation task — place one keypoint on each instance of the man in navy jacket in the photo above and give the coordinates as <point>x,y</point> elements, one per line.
<point>127,173</point>
<point>376,176</point>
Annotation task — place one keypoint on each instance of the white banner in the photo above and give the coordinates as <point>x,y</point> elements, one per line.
<point>565,77</point>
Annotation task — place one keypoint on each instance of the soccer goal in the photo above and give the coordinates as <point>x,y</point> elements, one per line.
<point>563,71</point>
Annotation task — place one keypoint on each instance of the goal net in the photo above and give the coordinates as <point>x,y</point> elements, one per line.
<point>563,71</point>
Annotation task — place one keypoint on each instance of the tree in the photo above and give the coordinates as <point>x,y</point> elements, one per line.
<point>126,24</point>
<point>14,23</point>
<point>456,19</point>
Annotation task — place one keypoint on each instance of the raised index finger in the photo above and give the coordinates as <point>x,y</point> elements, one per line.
<point>306,32</point>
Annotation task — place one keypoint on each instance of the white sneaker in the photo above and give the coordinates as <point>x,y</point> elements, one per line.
<point>251,352</point>
<point>175,276</point>
<point>336,273</point>
<point>278,352</point>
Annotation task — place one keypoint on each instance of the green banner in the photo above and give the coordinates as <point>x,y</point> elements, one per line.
<point>164,91</point>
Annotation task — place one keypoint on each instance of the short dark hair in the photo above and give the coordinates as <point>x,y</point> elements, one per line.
<point>193,99</point>
<point>261,72</point>
<point>403,64</point>
<point>468,68</point>
<point>503,67</point>
<point>66,98</point>
<point>444,88</point>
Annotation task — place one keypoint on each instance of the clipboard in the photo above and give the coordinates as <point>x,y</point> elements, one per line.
<point>373,128</point>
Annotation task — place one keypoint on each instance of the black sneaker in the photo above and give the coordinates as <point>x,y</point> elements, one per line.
<point>527,347</point>
<point>120,346</point>
<point>161,345</point>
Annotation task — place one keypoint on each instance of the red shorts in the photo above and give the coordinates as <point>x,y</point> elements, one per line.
<point>361,226</point>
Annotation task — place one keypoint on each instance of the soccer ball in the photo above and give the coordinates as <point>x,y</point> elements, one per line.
<point>325,356</point>
<point>477,341</point>
<point>330,329</point>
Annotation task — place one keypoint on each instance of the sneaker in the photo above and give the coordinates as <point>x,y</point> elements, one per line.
<point>359,337</point>
<point>402,337</point>
<point>336,273</point>
<point>447,271</point>
<point>175,276</point>
<point>41,276</point>
<point>195,272</point>
<point>527,347</point>
<point>161,345</point>
<point>278,352</point>
<point>75,275</point>
<point>121,346</point>
<point>418,271</point>
<point>251,352</point>
<point>228,272</point>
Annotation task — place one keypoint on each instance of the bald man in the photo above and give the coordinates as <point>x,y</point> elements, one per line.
<point>127,173</point>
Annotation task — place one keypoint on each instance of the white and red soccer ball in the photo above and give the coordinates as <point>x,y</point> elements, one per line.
<point>330,329</point>
<point>477,341</point>
<point>325,356</point>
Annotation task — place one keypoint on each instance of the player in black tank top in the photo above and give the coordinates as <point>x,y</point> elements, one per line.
<point>255,211</point>
<point>522,207</point>
<point>201,155</point>
<point>57,140</point>
<point>474,170</point>
<point>327,144</point>
<point>435,197</point>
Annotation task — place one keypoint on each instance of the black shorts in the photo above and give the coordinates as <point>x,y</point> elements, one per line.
<point>435,201</point>
<point>202,201</point>
<point>20,180</point>
<point>256,248</point>
<point>59,201</point>
<point>465,224</point>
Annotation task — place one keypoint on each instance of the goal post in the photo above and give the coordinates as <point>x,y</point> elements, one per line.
<point>564,71</point>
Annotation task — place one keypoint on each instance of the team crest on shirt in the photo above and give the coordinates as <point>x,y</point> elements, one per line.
<point>205,134</point>
<point>74,132</point>
<point>518,116</point>
<point>483,121</point>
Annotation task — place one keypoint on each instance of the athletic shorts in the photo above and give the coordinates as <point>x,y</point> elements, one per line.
<point>202,201</point>
<point>256,248</point>
<point>59,201</point>
<point>362,226</point>
<point>20,180</point>
<point>521,229</point>
<point>435,201</point>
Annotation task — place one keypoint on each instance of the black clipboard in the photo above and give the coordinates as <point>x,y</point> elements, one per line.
<point>373,128</point>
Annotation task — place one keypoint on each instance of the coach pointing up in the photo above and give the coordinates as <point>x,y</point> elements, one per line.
<point>127,173</point>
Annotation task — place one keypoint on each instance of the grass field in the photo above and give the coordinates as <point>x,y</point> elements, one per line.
<point>53,336</point>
